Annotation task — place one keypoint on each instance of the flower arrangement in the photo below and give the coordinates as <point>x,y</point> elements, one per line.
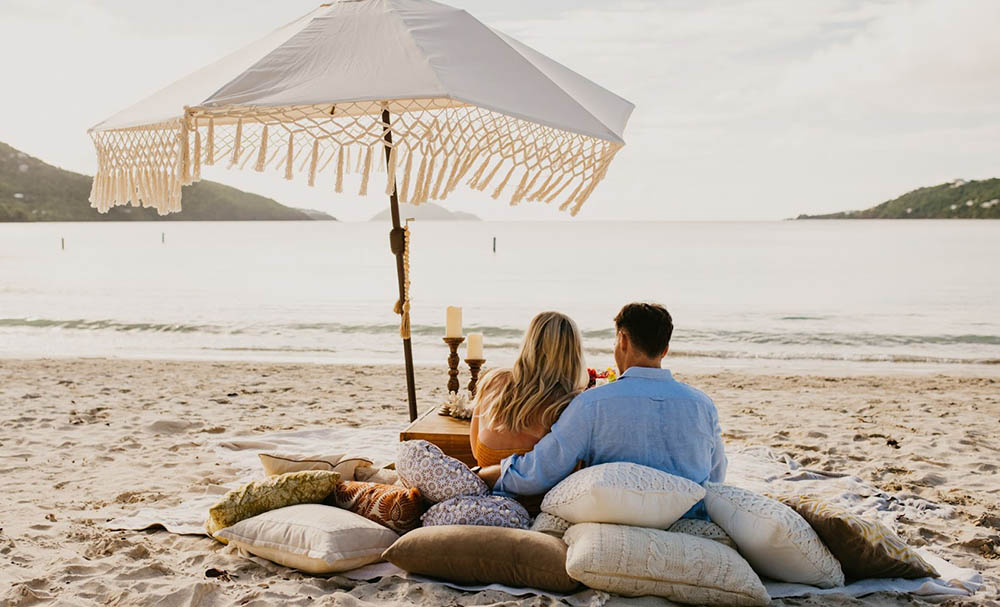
<point>599,378</point>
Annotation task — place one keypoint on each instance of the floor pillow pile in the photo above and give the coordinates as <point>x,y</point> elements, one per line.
<point>484,555</point>
<point>635,561</point>
<point>623,493</point>
<point>312,486</point>
<point>422,465</point>
<point>702,529</point>
<point>314,538</point>
<point>865,548</point>
<point>778,542</point>
<point>282,463</point>
<point>394,507</point>
<point>479,510</point>
<point>550,524</point>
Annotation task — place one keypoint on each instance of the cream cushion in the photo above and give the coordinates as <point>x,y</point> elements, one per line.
<point>348,467</point>
<point>635,561</point>
<point>778,542</point>
<point>312,537</point>
<point>623,493</point>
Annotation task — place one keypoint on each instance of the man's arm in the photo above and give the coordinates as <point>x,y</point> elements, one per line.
<point>553,457</point>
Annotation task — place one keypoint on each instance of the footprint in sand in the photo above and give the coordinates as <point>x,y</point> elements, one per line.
<point>170,426</point>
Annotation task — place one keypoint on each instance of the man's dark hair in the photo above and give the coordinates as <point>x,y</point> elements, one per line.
<point>648,325</point>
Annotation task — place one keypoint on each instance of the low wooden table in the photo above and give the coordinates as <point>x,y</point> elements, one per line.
<point>448,433</point>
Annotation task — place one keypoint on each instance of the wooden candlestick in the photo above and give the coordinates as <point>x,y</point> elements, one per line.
<point>475,364</point>
<point>453,343</point>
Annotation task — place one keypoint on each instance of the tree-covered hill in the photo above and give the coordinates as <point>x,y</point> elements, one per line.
<point>959,199</point>
<point>31,190</point>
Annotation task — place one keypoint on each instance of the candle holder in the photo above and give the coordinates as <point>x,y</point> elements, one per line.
<point>453,343</point>
<point>475,364</point>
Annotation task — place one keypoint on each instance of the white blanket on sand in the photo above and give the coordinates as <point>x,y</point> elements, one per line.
<point>758,469</point>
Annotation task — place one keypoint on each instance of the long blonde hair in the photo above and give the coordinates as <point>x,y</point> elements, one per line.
<point>549,372</point>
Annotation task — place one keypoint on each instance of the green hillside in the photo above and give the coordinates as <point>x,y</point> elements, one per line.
<point>956,200</point>
<point>31,190</point>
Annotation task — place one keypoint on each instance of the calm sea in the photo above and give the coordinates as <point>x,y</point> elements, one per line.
<point>822,295</point>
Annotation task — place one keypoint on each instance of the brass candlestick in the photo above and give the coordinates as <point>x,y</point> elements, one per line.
<point>453,343</point>
<point>475,364</point>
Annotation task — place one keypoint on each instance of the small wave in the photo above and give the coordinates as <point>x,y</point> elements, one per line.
<point>883,358</point>
<point>109,325</point>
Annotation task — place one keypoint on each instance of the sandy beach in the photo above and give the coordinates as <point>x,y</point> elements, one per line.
<point>86,440</point>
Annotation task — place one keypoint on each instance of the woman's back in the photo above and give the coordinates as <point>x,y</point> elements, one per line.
<point>516,407</point>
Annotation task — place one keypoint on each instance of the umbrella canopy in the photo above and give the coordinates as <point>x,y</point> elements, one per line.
<point>446,100</point>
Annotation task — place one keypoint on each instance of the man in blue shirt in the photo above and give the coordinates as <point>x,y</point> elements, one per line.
<point>646,417</point>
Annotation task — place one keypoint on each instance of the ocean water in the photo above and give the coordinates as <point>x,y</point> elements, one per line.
<point>822,295</point>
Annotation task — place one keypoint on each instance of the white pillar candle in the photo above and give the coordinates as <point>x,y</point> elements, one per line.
<point>475,349</point>
<point>453,326</point>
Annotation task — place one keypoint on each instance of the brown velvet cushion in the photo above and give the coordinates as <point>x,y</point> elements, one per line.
<point>865,547</point>
<point>466,554</point>
<point>394,507</point>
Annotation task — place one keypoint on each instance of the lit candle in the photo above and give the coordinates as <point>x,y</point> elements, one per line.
<point>475,349</point>
<point>453,326</point>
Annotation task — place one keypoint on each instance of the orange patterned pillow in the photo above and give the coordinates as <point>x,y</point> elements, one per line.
<point>397,508</point>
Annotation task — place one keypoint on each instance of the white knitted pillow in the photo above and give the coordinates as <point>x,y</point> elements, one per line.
<point>778,542</point>
<point>702,529</point>
<point>482,511</point>
<point>422,465</point>
<point>634,561</point>
<point>623,493</point>
<point>550,524</point>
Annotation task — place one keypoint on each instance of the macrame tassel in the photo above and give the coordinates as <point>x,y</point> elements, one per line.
<point>197,155</point>
<point>367,174</point>
<point>357,169</point>
<point>425,193</point>
<point>527,189</point>
<point>437,185</point>
<point>558,189</point>
<point>290,156</point>
<point>519,191</point>
<point>572,197</point>
<point>390,173</point>
<point>314,160</point>
<point>474,182</point>
<point>406,177</point>
<point>418,186</point>
<point>489,178</point>
<point>262,151</point>
<point>503,184</point>
<point>339,187</point>
<point>237,143</point>
<point>210,144</point>
<point>185,152</point>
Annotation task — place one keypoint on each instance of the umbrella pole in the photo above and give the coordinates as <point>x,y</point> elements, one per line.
<point>397,245</point>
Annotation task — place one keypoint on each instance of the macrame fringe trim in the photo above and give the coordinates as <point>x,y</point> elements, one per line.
<point>147,166</point>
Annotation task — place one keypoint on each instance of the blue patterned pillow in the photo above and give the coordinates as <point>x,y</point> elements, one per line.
<point>422,465</point>
<point>482,511</point>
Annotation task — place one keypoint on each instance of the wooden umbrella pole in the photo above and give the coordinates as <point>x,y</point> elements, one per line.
<point>398,245</point>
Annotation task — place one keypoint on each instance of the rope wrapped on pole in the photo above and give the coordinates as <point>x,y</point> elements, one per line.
<point>402,306</point>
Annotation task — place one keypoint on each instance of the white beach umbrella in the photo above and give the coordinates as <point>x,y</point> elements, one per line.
<point>414,88</point>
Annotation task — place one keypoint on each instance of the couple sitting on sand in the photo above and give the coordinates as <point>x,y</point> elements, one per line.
<point>534,424</point>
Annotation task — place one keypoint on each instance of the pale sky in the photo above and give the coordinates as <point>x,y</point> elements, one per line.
<point>746,110</point>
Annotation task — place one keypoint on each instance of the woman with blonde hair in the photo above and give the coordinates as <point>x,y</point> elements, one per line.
<point>516,407</point>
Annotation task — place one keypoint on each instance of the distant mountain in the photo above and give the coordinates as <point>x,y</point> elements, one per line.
<point>959,199</point>
<point>427,211</point>
<point>317,215</point>
<point>31,190</point>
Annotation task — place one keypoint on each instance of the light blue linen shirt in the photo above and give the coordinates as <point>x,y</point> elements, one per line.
<point>646,417</point>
